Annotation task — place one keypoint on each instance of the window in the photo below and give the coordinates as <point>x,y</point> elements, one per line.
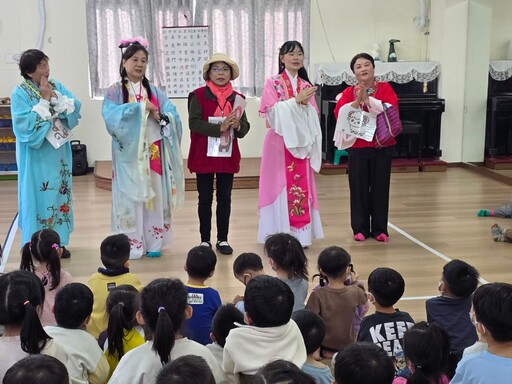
<point>249,31</point>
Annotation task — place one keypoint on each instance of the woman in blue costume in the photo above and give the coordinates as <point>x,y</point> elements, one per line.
<point>147,165</point>
<point>39,107</point>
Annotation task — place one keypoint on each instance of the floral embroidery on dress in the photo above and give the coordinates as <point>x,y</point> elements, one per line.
<point>135,243</point>
<point>157,233</point>
<point>297,194</point>
<point>154,152</point>
<point>59,215</point>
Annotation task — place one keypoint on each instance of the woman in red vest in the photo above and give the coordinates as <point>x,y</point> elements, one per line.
<point>215,128</point>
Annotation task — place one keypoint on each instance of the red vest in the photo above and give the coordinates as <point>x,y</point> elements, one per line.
<point>198,162</point>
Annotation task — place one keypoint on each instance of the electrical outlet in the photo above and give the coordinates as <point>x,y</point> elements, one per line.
<point>12,59</point>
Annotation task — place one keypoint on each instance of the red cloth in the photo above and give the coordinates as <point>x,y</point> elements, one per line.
<point>384,93</point>
<point>198,162</point>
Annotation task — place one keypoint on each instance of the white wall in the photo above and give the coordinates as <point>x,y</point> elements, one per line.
<point>351,27</point>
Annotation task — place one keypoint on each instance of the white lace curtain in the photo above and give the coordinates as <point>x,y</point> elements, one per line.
<point>249,31</point>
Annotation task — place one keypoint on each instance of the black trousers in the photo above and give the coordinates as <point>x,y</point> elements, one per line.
<point>224,185</point>
<point>369,177</point>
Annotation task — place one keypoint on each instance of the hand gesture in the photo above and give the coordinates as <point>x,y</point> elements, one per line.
<point>45,88</point>
<point>305,94</point>
<point>231,121</point>
<point>153,111</point>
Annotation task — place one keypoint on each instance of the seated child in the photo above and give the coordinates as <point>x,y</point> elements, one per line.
<point>386,327</point>
<point>245,267</point>
<point>269,334</point>
<point>42,256</point>
<point>336,303</point>
<point>426,349</point>
<point>282,372</point>
<point>451,310</point>
<point>312,328</point>
<point>492,315</point>
<point>115,252</point>
<point>37,369</point>
<point>288,260</point>
<point>73,307</point>
<point>188,369</point>
<point>223,322</point>
<point>363,363</point>
<point>204,300</point>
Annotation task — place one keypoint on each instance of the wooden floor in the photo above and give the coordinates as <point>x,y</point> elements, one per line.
<point>432,219</point>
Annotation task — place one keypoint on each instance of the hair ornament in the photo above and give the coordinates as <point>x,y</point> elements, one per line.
<point>55,246</point>
<point>161,309</point>
<point>26,302</point>
<point>121,304</point>
<point>124,43</point>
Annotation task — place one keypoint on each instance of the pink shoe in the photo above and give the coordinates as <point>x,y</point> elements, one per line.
<point>382,237</point>
<point>359,237</point>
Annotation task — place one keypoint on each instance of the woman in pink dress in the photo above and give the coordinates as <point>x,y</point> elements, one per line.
<point>291,152</point>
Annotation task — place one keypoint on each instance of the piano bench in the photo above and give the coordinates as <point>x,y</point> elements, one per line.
<point>411,128</point>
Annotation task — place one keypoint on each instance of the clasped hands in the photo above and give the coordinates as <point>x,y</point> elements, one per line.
<point>361,98</point>
<point>304,95</point>
<point>231,121</point>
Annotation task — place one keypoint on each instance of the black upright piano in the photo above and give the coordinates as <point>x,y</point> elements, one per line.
<point>498,128</point>
<point>417,101</point>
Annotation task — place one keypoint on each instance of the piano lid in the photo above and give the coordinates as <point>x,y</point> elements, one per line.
<point>400,72</point>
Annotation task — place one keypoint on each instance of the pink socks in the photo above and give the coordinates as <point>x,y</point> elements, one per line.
<point>382,237</point>
<point>359,237</point>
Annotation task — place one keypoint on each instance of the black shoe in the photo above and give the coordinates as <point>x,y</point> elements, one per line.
<point>206,244</point>
<point>65,253</point>
<point>224,247</point>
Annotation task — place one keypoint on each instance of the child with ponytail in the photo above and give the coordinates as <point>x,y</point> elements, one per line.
<point>123,331</point>
<point>163,308</point>
<point>41,256</point>
<point>288,260</point>
<point>426,350</point>
<point>21,296</point>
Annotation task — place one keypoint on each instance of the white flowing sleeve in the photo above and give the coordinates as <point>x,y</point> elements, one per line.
<point>43,109</point>
<point>62,103</point>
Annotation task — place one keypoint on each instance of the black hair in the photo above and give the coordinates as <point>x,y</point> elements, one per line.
<point>122,306</point>
<point>21,292</point>
<point>188,369</point>
<point>287,253</point>
<point>427,347</point>
<point>386,285</point>
<point>37,369</point>
<point>460,277</point>
<point>282,372</point>
<point>163,305</point>
<point>224,321</point>
<point>43,247</point>
<point>127,54</point>
<point>29,61</point>
<point>247,261</point>
<point>361,56</point>
<point>73,305</point>
<point>115,251</point>
<point>363,363</point>
<point>287,47</point>
<point>201,262</point>
<point>268,301</point>
<point>492,304</point>
<point>334,261</point>
<point>312,328</point>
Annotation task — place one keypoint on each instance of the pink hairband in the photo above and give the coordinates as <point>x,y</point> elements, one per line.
<point>134,40</point>
<point>55,246</point>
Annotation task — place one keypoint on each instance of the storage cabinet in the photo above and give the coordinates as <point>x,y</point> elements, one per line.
<point>7,142</point>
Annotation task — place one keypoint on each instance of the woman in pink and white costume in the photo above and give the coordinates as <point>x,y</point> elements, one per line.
<point>291,152</point>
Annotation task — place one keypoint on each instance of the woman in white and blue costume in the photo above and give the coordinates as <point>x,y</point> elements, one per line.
<point>147,165</point>
<point>38,107</point>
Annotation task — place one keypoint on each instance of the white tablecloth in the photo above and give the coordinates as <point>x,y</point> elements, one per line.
<point>400,72</point>
<point>500,69</point>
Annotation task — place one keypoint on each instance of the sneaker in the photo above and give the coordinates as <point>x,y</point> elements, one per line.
<point>65,253</point>
<point>382,237</point>
<point>153,254</point>
<point>205,244</point>
<point>224,247</point>
<point>359,237</point>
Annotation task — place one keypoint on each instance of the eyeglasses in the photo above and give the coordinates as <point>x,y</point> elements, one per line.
<point>218,69</point>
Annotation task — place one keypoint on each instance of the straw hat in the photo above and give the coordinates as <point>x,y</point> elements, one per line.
<point>216,57</point>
